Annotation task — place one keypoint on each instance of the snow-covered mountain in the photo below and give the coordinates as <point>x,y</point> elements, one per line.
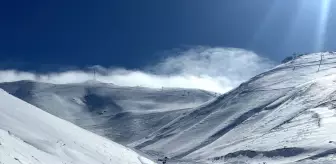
<point>124,114</point>
<point>285,115</point>
<point>28,135</point>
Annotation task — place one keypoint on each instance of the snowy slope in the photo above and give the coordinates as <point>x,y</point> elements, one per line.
<point>29,135</point>
<point>124,114</point>
<point>284,115</point>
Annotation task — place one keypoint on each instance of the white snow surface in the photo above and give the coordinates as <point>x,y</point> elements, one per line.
<point>123,114</point>
<point>28,135</point>
<point>285,115</point>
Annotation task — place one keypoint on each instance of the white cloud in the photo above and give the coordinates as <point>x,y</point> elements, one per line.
<point>213,69</point>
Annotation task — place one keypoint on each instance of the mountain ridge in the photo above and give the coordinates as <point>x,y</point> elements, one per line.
<point>245,111</point>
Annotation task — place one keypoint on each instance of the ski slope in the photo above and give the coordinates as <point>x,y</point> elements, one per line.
<point>123,114</point>
<point>28,135</point>
<point>284,115</point>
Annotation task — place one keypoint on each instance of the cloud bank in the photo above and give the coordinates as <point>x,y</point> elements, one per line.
<point>212,69</point>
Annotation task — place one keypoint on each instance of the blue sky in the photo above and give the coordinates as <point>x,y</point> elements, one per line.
<point>44,35</point>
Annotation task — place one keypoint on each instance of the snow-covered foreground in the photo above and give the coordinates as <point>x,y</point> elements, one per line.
<point>29,135</point>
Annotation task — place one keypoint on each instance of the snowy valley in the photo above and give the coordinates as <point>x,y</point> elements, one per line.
<point>285,115</point>
<point>123,114</point>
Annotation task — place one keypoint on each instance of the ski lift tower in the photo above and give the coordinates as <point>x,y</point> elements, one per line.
<point>94,74</point>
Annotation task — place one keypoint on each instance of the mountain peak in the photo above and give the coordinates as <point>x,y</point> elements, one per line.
<point>298,55</point>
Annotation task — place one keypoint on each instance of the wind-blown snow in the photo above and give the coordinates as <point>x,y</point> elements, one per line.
<point>209,68</point>
<point>29,135</point>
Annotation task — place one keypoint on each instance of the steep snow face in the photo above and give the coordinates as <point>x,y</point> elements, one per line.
<point>284,115</point>
<point>30,135</point>
<point>124,114</point>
